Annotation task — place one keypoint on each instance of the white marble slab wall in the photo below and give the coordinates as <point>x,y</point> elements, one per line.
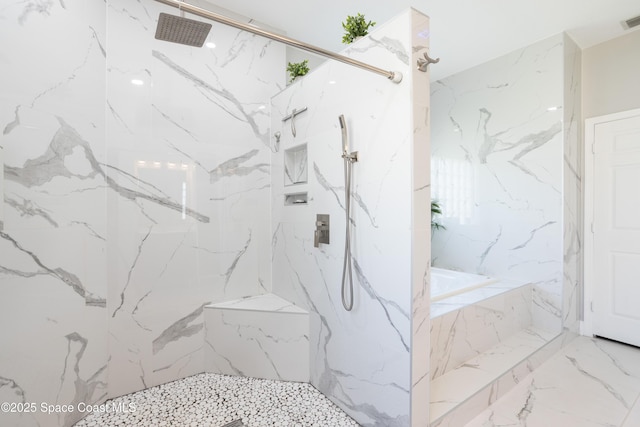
<point>421,225</point>
<point>497,170</point>
<point>573,209</point>
<point>53,284</point>
<point>189,187</point>
<point>360,359</point>
<point>128,207</point>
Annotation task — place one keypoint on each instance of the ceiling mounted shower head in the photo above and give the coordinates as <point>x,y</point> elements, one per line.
<point>177,29</point>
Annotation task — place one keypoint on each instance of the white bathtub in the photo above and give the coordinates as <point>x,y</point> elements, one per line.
<point>447,283</point>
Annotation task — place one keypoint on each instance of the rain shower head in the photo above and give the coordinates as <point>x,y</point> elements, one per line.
<point>177,29</point>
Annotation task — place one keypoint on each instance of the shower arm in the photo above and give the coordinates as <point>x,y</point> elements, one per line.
<point>394,76</point>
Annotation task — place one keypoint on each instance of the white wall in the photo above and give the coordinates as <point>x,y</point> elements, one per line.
<point>610,72</point>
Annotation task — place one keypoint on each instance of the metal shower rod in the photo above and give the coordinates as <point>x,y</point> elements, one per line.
<point>394,76</point>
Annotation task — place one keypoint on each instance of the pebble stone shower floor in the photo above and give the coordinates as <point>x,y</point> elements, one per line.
<point>212,400</point>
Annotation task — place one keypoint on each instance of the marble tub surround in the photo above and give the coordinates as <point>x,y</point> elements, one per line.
<point>460,395</point>
<point>589,383</point>
<point>462,334</point>
<point>465,299</point>
<point>481,348</point>
<point>136,181</point>
<point>262,336</point>
<point>214,400</point>
<point>503,149</point>
<point>361,359</point>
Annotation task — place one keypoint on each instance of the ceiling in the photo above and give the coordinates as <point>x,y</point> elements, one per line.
<point>464,33</point>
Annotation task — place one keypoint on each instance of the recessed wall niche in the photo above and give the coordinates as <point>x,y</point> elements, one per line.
<point>295,165</point>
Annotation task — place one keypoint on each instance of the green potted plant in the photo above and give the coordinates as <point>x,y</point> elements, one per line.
<point>297,69</point>
<point>436,210</point>
<point>355,27</point>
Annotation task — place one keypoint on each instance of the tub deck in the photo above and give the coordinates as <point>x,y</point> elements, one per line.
<point>452,290</point>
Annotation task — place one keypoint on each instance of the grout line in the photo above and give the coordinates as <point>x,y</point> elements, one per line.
<point>635,404</point>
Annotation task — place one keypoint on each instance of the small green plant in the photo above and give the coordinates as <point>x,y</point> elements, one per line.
<point>297,69</point>
<point>436,210</point>
<point>355,26</point>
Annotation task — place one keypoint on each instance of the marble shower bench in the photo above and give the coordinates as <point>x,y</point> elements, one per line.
<point>263,336</point>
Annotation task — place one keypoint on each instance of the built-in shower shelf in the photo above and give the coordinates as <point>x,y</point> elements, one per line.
<point>295,165</point>
<point>295,199</point>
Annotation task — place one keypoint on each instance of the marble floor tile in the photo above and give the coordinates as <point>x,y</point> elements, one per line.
<point>212,400</point>
<point>633,418</point>
<point>590,382</point>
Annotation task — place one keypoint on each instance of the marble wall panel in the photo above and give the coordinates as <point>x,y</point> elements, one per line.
<point>53,285</point>
<point>572,293</point>
<point>421,226</point>
<point>360,359</point>
<point>498,170</point>
<point>189,171</point>
<point>136,185</point>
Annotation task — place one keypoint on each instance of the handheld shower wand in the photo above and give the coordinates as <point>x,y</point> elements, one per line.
<point>351,157</point>
<point>349,160</point>
<point>345,136</point>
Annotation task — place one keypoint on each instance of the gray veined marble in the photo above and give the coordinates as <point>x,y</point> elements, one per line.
<point>235,167</point>
<point>13,387</point>
<point>30,208</point>
<point>386,305</point>
<point>391,45</point>
<point>588,382</point>
<point>66,277</point>
<point>41,170</point>
<point>85,390</point>
<point>181,328</point>
<point>221,97</point>
<point>532,235</point>
<point>514,132</point>
<point>131,269</point>
<point>366,352</point>
<point>236,260</point>
<point>158,191</point>
<point>13,124</point>
<point>338,192</point>
<point>38,7</point>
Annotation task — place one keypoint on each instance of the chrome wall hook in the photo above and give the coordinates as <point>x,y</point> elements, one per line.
<point>424,63</point>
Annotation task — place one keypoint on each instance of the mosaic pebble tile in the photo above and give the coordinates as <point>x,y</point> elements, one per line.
<point>212,400</point>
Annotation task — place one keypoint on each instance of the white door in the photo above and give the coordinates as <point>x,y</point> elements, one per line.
<point>616,228</point>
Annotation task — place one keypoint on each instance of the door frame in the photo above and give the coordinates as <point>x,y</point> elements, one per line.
<point>586,326</point>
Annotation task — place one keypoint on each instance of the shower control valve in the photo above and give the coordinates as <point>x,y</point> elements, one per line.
<point>321,233</point>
